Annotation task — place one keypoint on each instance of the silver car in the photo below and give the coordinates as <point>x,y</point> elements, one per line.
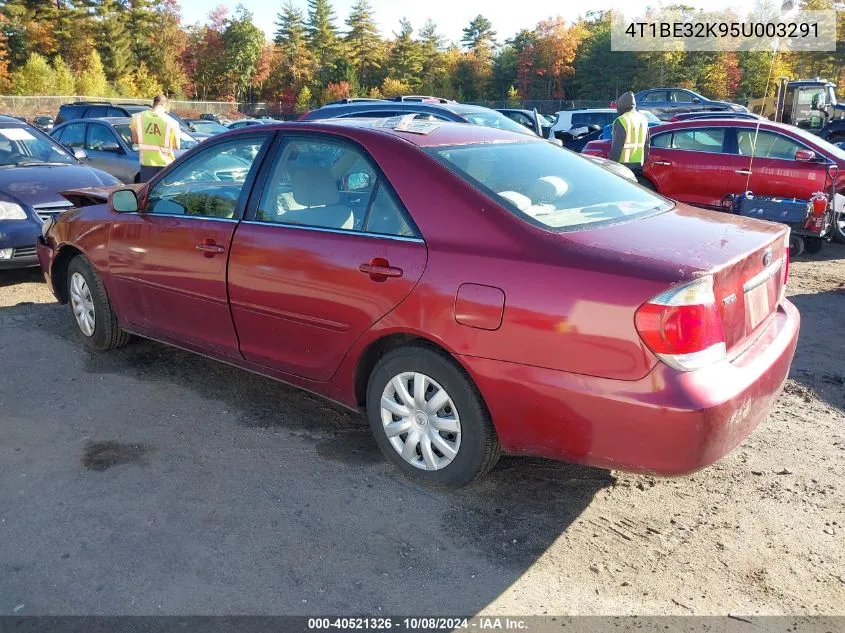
<point>108,144</point>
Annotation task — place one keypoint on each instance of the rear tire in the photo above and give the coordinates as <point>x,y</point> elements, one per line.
<point>839,227</point>
<point>813,245</point>
<point>428,418</point>
<point>796,246</point>
<point>90,307</point>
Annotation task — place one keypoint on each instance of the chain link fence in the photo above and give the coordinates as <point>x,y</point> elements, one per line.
<point>35,106</point>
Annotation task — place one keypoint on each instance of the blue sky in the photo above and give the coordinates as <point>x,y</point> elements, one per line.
<point>451,16</point>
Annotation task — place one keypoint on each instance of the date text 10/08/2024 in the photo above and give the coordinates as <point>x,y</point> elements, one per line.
<point>419,624</point>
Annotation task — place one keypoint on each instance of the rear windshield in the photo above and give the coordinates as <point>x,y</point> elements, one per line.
<point>491,118</point>
<point>550,186</point>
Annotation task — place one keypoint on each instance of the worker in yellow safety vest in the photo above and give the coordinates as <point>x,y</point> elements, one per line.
<point>157,136</point>
<point>629,144</point>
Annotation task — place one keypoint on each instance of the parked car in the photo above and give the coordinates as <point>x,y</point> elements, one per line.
<point>108,145</point>
<point>690,116</point>
<point>415,271</point>
<point>426,107</point>
<point>202,129</point>
<point>210,117</point>
<point>567,119</point>
<point>96,110</point>
<point>236,125</point>
<point>667,102</point>
<point>34,170</point>
<point>702,162</point>
<point>526,118</point>
<point>44,123</point>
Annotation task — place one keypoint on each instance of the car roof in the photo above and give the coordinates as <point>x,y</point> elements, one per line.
<point>112,120</point>
<point>725,122</point>
<point>421,106</point>
<point>443,133</point>
<point>10,119</point>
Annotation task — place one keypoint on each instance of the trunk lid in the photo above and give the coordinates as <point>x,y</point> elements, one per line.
<point>746,258</point>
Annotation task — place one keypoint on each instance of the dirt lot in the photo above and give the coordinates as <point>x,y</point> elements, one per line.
<point>152,481</point>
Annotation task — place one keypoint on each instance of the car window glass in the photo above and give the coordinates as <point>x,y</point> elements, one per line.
<point>662,140</point>
<point>208,184</point>
<point>96,111</point>
<point>370,114</point>
<point>592,118</point>
<point>58,135</point>
<point>655,96</point>
<point>101,138</point>
<point>119,112</point>
<point>74,135</point>
<point>769,145</point>
<point>387,217</point>
<point>320,184</point>
<point>704,140</point>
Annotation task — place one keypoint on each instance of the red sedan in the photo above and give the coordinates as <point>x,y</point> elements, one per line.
<point>473,290</point>
<point>701,161</point>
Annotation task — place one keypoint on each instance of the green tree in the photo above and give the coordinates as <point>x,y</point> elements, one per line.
<point>146,85</point>
<point>601,73</point>
<point>435,76</point>
<point>114,41</point>
<point>365,47</point>
<point>242,45</point>
<point>479,35</point>
<point>296,64</point>
<point>322,36</point>
<point>303,99</point>
<point>124,86</point>
<point>92,81</point>
<point>169,45</point>
<point>406,57</point>
<point>35,77</point>
<point>141,24</point>
<point>65,82</point>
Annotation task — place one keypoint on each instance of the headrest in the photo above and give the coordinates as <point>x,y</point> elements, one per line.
<point>314,187</point>
<point>516,199</point>
<point>548,189</point>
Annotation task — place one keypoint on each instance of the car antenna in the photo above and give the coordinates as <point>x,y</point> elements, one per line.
<point>786,8</point>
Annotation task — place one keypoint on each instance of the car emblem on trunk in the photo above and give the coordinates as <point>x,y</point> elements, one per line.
<point>767,257</point>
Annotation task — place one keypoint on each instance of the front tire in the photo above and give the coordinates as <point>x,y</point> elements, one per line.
<point>429,419</point>
<point>90,307</point>
<point>796,246</point>
<point>813,245</point>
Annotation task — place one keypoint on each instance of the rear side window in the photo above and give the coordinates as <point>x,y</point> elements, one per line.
<point>662,140</point>
<point>550,186</point>
<point>654,96</point>
<point>769,145</point>
<point>592,118</point>
<point>119,112</point>
<point>96,112</point>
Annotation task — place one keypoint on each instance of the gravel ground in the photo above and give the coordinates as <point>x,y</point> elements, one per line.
<point>151,481</point>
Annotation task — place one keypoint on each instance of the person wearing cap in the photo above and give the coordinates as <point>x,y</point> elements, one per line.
<point>629,144</point>
<point>157,136</point>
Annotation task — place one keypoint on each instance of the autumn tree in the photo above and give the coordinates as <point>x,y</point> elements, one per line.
<point>406,56</point>
<point>65,82</point>
<point>296,64</point>
<point>363,44</point>
<point>322,36</point>
<point>92,81</point>
<point>555,49</point>
<point>35,77</point>
<point>242,46</point>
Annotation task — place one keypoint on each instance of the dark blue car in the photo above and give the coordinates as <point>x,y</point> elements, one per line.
<point>34,170</point>
<point>664,103</point>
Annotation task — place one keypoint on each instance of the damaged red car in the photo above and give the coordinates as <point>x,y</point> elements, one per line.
<point>474,291</point>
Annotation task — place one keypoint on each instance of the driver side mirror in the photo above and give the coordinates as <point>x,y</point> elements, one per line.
<point>805,155</point>
<point>79,154</point>
<point>124,201</point>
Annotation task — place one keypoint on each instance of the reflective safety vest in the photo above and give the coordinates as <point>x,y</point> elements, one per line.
<point>636,132</point>
<point>158,138</point>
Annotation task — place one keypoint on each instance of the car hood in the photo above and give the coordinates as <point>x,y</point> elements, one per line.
<point>43,185</point>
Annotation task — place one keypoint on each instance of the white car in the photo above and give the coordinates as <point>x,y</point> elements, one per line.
<point>569,119</point>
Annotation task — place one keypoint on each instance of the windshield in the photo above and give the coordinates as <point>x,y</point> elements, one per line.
<point>834,150</point>
<point>208,127</point>
<point>648,115</point>
<point>26,145</point>
<point>550,186</point>
<point>491,118</point>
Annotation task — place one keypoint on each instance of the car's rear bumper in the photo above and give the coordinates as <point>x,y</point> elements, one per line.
<point>668,423</point>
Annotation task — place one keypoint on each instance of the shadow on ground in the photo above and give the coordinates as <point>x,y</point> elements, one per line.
<point>460,549</point>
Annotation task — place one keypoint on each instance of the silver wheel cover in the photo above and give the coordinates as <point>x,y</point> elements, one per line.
<point>82,304</point>
<point>421,421</point>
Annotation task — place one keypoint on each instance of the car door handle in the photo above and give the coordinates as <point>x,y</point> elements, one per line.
<point>210,248</point>
<point>379,269</point>
<point>663,162</point>
<point>743,172</point>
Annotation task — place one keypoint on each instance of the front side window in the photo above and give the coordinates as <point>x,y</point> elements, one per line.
<point>210,183</point>
<point>330,185</point>
<point>550,186</point>
<point>768,145</point>
<point>655,96</point>
<point>680,96</point>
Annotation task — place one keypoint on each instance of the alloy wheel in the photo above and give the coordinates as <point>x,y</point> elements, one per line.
<point>82,304</point>
<point>421,421</point>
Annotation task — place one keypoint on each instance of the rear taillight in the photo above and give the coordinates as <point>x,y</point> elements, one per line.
<point>682,326</point>
<point>613,104</point>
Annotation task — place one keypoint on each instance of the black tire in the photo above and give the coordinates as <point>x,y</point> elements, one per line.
<point>479,448</point>
<point>838,227</point>
<point>107,334</point>
<point>796,246</point>
<point>813,245</point>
